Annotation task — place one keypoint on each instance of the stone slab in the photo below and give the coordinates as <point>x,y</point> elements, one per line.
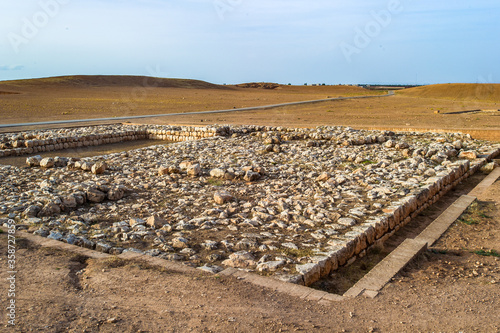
<point>282,287</point>
<point>57,245</point>
<point>381,274</point>
<point>487,182</point>
<point>434,231</point>
<point>370,293</point>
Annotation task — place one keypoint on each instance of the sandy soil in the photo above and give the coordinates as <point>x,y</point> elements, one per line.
<point>449,290</point>
<point>47,102</point>
<point>398,113</point>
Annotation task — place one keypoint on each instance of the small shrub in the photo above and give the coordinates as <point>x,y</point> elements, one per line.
<point>490,253</point>
<point>468,221</point>
<point>475,213</point>
<point>215,182</point>
<point>297,253</point>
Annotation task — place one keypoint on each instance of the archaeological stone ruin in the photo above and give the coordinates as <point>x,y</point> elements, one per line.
<point>291,203</point>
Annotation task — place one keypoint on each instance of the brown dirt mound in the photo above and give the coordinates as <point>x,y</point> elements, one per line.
<point>84,81</point>
<point>457,91</point>
<point>264,85</point>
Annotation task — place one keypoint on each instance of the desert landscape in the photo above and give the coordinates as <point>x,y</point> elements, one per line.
<point>312,194</point>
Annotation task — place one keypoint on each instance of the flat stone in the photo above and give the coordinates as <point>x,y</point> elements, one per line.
<point>222,197</point>
<point>270,266</point>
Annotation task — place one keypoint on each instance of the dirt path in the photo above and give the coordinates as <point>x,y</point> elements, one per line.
<point>450,290</point>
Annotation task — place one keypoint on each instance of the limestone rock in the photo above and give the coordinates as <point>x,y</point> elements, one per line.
<point>242,259</point>
<point>55,235</point>
<point>217,173</point>
<point>86,166</point>
<point>163,170</point>
<point>488,168</point>
<point>49,209</point>
<point>311,272</point>
<point>194,170</point>
<point>115,193</point>
<point>270,266</point>
<point>251,176</point>
<point>47,162</point>
<point>156,222</point>
<point>60,162</point>
<point>246,244</point>
<point>99,167</point>
<point>33,161</point>
<point>323,177</point>
<point>180,243</point>
<point>210,245</point>
<point>470,155</point>
<point>347,221</point>
<point>222,197</point>
<point>211,269</point>
<point>94,195</point>
<point>69,201</point>
<point>31,211</point>
<point>135,221</point>
<point>102,247</point>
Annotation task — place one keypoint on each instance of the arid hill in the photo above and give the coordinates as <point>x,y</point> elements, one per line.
<point>456,91</point>
<point>263,85</point>
<point>85,81</point>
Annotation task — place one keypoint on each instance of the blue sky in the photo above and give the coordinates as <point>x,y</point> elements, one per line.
<point>233,41</point>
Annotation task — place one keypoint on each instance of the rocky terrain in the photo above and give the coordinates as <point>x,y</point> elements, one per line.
<point>294,203</point>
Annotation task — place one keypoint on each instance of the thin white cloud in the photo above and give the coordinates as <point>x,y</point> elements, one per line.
<point>290,40</point>
<point>11,67</point>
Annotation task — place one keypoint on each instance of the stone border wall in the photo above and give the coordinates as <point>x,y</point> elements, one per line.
<point>26,145</point>
<point>377,230</point>
<point>165,133</point>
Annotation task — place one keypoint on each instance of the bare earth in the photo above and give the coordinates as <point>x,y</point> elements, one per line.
<point>453,288</point>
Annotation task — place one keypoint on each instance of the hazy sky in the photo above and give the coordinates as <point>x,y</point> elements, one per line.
<point>233,41</point>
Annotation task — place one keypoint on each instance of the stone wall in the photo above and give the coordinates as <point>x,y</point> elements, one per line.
<point>30,143</point>
<point>378,229</point>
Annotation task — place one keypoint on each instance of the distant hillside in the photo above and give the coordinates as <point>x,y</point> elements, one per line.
<point>456,91</point>
<point>263,85</point>
<point>84,81</point>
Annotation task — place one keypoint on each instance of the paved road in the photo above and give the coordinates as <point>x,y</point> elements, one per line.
<point>253,108</point>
